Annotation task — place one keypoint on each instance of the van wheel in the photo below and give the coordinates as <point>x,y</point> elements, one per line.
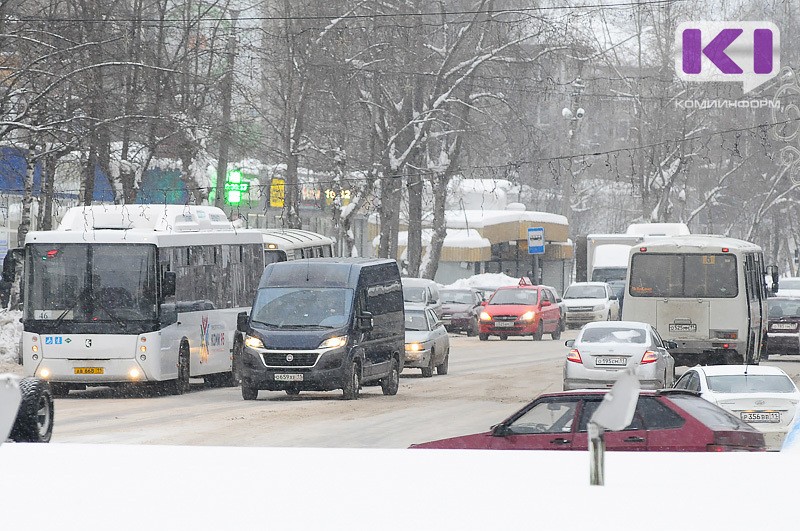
<point>248,392</point>
<point>352,382</point>
<point>483,337</point>
<point>556,335</point>
<point>34,421</point>
<point>441,369</point>
<point>391,383</point>
<point>427,372</point>
<point>537,336</point>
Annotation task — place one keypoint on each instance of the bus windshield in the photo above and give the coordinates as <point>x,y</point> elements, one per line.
<point>84,283</point>
<point>302,307</point>
<point>679,275</point>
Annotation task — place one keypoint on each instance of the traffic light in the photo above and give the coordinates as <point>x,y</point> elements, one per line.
<point>235,186</point>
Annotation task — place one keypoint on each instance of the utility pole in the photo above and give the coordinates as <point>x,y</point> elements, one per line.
<point>574,113</point>
<point>227,93</point>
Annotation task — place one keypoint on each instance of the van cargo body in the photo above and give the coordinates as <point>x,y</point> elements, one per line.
<point>325,324</point>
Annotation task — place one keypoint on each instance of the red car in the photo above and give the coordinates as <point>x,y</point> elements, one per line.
<point>664,421</point>
<point>522,310</point>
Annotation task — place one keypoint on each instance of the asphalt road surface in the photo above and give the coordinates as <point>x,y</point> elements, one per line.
<point>486,382</point>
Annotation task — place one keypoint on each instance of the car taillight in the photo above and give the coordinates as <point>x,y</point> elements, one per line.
<point>649,357</point>
<point>727,448</point>
<point>574,356</point>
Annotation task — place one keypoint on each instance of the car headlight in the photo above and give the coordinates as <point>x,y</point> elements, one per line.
<point>598,307</point>
<point>485,316</point>
<point>334,342</point>
<point>413,347</point>
<point>528,316</point>
<point>253,342</point>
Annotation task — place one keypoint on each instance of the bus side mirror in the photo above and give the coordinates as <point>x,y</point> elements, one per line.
<point>773,272</point>
<point>168,284</point>
<point>242,322</point>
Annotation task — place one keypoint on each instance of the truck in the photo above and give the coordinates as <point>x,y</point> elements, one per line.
<point>607,254</point>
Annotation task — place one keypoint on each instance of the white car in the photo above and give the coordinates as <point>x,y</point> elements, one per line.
<point>590,301</point>
<point>788,287</point>
<point>604,351</point>
<point>427,342</point>
<point>762,396</point>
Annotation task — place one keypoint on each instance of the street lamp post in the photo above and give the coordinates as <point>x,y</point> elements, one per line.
<point>573,114</point>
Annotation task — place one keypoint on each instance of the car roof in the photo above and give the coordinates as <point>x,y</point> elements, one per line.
<point>600,392</point>
<point>458,289</point>
<point>731,370</point>
<point>588,284</point>
<point>617,324</point>
<point>520,286</point>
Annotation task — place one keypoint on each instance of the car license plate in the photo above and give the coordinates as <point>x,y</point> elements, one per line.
<point>611,361</point>
<point>88,370</point>
<point>783,326</point>
<point>504,324</point>
<point>683,328</point>
<point>288,377</point>
<point>761,416</point>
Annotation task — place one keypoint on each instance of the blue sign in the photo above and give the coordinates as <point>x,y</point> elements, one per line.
<point>535,240</point>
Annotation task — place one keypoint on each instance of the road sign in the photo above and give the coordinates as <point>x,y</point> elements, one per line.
<point>535,240</point>
<point>276,190</point>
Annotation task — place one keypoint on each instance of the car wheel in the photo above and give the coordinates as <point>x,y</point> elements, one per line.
<point>483,337</point>
<point>427,372</point>
<point>556,335</point>
<point>537,336</point>
<point>248,392</point>
<point>352,383</point>
<point>441,369</point>
<point>609,316</point>
<point>391,383</point>
<point>34,421</point>
<point>473,328</point>
<point>292,392</point>
<point>503,337</point>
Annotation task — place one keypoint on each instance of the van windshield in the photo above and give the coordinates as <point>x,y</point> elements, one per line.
<point>302,307</point>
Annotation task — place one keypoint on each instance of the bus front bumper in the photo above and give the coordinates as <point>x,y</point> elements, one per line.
<point>89,372</point>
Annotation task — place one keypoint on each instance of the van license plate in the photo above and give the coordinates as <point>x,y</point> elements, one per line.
<point>761,416</point>
<point>88,370</point>
<point>683,328</point>
<point>288,377</point>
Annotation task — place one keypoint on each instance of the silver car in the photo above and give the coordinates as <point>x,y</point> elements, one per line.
<point>604,350</point>
<point>427,342</point>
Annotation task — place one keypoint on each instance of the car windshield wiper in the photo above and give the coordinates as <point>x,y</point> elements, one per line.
<point>71,307</point>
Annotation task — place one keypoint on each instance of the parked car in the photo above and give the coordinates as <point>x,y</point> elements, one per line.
<point>522,310</point>
<point>764,397</point>
<point>422,293</point>
<point>427,342</point>
<point>29,402</point>
<point>590,301</point>
<point>605,350</point>
<point>461,309</point>
<point>666,420</point>
<point>783,332</point>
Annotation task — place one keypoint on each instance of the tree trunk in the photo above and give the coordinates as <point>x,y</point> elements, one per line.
<point>45,221</point>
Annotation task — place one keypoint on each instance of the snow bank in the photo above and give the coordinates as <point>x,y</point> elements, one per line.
<point>485,280</point>
<point>10,335</point>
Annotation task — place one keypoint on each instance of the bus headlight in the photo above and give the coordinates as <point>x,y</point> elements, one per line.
<point>44,373</point>
<point>134,374</point>
<point>253,342</point>
<point>334,342</point>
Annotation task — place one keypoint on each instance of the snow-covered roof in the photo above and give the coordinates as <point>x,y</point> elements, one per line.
<point>485,281</point>
<point>483,218</point>
<point>175,218</point>
<point>658,229</point>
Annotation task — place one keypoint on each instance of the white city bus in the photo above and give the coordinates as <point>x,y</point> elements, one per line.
<point>704,292</point>
<point>139,293</point>
<point>281,245</point>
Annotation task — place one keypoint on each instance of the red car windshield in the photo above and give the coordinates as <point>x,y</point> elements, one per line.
<point>526,297</point>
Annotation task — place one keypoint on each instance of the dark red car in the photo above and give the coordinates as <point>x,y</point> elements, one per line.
<point>664,421</point>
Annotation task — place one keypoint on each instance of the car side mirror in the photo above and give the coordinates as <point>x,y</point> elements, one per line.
<point>545,303</point>
<point>669,345</point>
<point>365,321</point>
<point>484,303</point>
<point>569,343</point>
<point>613,297</point>
<point>242,322</point>
<point>168,282</point>
<point>558,300</point>
<point>499,430</point>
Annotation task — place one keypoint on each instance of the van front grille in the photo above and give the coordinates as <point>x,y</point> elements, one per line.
<point>290,359</point>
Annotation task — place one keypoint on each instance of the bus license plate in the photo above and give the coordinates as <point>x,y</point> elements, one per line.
<point>611,361</point>
<point>288,377</point>
<point>761,416</point>
<point>88,370</point>
<point>504,324</point>
<point>683,328</point>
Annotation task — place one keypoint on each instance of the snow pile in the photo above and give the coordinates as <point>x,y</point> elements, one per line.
<point>10,336</point>
<point>485,280</point>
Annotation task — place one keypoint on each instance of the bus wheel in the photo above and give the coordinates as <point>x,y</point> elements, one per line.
<point>180,385</point>
<point>35,416</point>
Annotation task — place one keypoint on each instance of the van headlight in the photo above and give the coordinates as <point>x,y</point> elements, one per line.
<point>253,342</point>
<point>334,342</point>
